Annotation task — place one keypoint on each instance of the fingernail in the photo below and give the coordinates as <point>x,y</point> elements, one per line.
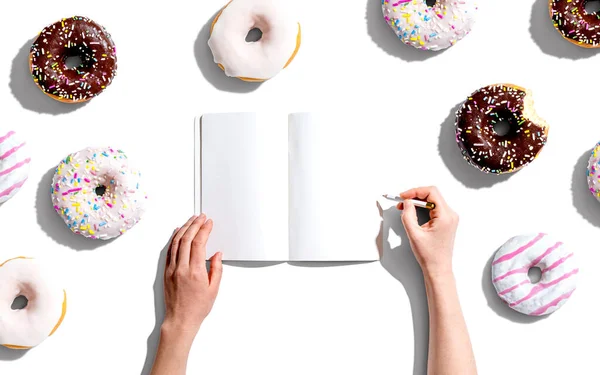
<point>202,216</point>
<point>219,256</point>
<point>209,221</point>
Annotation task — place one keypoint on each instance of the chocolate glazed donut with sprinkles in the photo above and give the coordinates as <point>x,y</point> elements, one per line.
<point>75,37</point>
<point>574,23</point>
<point>486,149</point>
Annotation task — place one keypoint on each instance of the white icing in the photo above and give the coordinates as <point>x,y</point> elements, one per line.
<point>593,172</point>
<point>85,212</point>
<point>264,58</point>
<point>559,274</point>
<point>430,28</point>
<point>34,323</point>
<point>14,164</point>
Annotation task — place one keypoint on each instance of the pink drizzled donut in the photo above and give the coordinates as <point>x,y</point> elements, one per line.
<point>14,163</point>
<point>510,274</point>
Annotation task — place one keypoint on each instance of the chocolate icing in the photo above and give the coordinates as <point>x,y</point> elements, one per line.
<point>481,146</point>
<point>75,36</point>
<point>574,23</point>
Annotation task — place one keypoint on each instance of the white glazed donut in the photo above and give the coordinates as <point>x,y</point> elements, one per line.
<point>593,172</point>
<point>97,194</point>
<point>254,61</point>
<point>430,27</point>
<point>46,306</point>
<point>514,260</point>
<point>14,164</point>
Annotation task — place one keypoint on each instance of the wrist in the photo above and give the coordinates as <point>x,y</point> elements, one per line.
<point>176,334</point>
<point>438,274</point>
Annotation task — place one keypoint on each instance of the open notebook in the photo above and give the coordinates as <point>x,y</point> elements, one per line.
<point>282,187</point>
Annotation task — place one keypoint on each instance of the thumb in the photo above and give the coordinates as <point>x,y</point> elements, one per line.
<point>409,218</point>
<point>216,270</point>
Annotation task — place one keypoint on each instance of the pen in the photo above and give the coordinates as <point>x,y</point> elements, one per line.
<point>427,205</point>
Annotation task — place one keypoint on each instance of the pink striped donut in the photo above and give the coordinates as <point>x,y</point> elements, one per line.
<point>514,260</point>
<point>14,164</point>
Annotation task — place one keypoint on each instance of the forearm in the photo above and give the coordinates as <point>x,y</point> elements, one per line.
<point>450,350</point>
<point>172,354</point>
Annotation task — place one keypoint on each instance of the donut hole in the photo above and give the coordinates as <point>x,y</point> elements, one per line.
<point>254,35</point>
<point>100,190</point>
<point>430,3</point>
<point>502,127</point>
<point>72,62</point>
<point>534,274</point>
<point>592,6</point>
<point>19,303</point>
<point>78,57</point>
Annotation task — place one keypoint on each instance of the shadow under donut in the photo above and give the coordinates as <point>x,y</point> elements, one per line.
<point>549,39</point>
<point>385,38</point>
<point>401,263</point>
<point>7,354</point>
<point>53,225</point>
<point>453,160</point>
<point>583,200</point>
<point>28,93</point>
<point>211,71</point>
<point>497,304</point>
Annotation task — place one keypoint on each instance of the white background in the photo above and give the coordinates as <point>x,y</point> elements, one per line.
<point>289,318</point>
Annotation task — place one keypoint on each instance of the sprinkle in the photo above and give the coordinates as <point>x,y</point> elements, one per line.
<point>71,191</point>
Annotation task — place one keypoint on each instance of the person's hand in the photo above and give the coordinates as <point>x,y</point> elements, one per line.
<point>433,242</point>
<point>190,290</point>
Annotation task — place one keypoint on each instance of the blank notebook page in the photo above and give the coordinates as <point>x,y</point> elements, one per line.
<point>332,207</point>
<point>244,185</point>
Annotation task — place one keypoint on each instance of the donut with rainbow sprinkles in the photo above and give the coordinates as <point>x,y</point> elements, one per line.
<point>97,193</point>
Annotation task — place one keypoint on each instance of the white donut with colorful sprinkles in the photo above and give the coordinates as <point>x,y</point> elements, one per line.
<point>593,172</point>
<point>430,25</point>
<point>97,193</point>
